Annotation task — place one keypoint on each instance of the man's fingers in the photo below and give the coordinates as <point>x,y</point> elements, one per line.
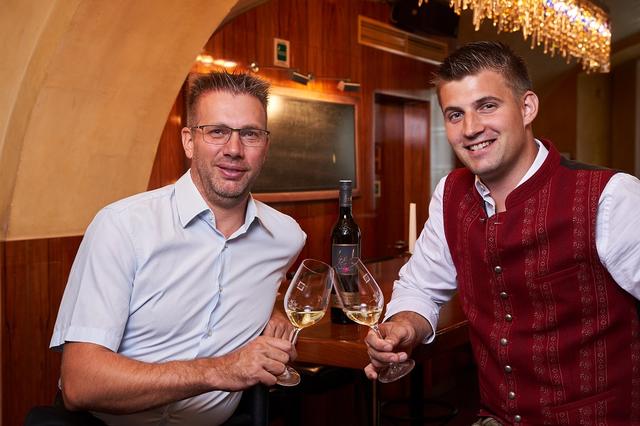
<point>380,359</point>
<point>371,372</point>
<point>274,367</point>
<point>282,344</point>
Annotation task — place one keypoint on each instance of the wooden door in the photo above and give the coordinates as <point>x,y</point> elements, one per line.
<point>401,170</point>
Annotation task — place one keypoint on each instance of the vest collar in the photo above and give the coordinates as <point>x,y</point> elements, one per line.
<point>539,178</point>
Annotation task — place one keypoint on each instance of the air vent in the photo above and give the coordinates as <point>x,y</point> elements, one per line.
<point>381,36</point>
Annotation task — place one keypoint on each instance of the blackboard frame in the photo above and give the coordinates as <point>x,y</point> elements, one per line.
<point>287,190</point>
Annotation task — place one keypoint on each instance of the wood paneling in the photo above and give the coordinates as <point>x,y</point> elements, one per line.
<point>389,135</point>
<point>416,162</point>
<point>624,125</point>
<point>170,162</point>
<point>36,272</point>
<point>557,115</point>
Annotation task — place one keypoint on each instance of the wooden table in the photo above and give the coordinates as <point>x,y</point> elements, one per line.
<point>340,345</point>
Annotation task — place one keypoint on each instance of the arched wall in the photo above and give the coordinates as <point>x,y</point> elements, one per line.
<point>85,89</point>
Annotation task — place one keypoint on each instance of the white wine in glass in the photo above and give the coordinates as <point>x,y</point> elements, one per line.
<point>362,301</point>
<point>305,303</point>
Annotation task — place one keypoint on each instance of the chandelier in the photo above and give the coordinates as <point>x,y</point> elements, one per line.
<point>574,28</point>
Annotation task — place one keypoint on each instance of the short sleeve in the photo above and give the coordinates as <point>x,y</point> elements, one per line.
<point>95,304</point>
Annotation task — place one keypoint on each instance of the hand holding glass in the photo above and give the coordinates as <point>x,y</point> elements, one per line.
<point>305,303</point>
<point>362,301</point>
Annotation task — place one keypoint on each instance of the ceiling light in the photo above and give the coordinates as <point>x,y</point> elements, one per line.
<point>574,28</point>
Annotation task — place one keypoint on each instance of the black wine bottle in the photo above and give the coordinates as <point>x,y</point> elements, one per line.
<point>345,245</point>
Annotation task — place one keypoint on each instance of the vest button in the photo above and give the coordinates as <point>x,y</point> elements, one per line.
<point>504,341</point>
<point>517,418</point>
<point>508,318</point>
<point>508,369</point>
<point>503,295</point>
<point>511,395</point>
<point>498,269</point>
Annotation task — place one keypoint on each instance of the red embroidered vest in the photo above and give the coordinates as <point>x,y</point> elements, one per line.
<point>556,340</point>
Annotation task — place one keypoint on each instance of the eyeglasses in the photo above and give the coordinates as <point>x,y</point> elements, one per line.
<point>217,134</point>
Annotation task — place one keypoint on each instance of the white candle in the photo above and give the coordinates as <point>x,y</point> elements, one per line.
<point>412,226</point>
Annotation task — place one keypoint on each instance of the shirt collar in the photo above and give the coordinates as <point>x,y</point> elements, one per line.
<point>188,199</point>
<point>535,166</point>
<point>191,204</point>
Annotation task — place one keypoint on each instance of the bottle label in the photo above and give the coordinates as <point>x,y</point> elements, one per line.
<point>341,256</point>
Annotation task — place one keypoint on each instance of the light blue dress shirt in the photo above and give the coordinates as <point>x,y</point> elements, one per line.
<point>154,280</point>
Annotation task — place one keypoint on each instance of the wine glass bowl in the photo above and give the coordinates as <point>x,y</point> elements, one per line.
<point>305,303</point>
<point>362,301</point>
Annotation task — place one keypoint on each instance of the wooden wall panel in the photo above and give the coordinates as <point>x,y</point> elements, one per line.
<point>624,126</point>
<point>417,160</point>
<point>36,272</point>
<point>170,161</point>
<point>557,115</point>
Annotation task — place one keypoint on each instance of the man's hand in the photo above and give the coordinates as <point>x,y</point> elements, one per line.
<point>260,361</point>
<point>400,335</point>
<point>278,326</point>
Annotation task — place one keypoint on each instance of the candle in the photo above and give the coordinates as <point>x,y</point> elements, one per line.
<point>412,226</point>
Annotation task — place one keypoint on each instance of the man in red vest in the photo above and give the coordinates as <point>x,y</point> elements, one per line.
<point>544,252</point>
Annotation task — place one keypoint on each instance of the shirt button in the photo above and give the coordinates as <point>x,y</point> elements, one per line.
<point>508,369</point>
<point>517,418</point>
<point>498,269</point>
<point>504,341</point>
<point>508,318</point>
<point>209,333</point>
<point>503,295</point>
<point>511,395</point>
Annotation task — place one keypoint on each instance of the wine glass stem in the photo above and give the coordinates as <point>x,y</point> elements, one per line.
<point>375,328</point>
<point>294,336</point>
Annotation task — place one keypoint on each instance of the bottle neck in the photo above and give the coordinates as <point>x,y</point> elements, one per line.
<point>345,210</point>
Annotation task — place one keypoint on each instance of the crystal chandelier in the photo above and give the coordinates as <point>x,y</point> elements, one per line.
<point>574,28</point>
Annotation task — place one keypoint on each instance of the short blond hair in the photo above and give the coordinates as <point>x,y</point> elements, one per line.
<point>222,81</point>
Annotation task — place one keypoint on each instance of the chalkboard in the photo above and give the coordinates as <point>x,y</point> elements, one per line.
<point>313,146</point>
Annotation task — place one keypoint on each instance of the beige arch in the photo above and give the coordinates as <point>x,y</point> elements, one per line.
<point>85,89</point>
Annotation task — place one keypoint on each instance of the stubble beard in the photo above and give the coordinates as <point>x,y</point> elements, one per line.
<point>215,189</point>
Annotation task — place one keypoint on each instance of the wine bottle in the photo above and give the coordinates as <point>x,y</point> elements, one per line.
<point>345,245</point>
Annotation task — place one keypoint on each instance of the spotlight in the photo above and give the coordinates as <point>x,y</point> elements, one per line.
<point>294,75</point>
<point>347,86</point>
<point>300,78</point>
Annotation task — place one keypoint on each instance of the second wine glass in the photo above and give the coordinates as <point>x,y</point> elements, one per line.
<point>305,303</point>
<point>362,301</point>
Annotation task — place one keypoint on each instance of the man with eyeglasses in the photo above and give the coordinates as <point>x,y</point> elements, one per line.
<point>162,316</point>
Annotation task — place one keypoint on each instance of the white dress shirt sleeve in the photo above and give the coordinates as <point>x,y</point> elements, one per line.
<point>95,304</point>
<point>429,278</point>
<point>618,231</point>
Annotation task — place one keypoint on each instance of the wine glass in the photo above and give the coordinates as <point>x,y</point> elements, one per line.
<point>362,301</point>
<point>305,303</point>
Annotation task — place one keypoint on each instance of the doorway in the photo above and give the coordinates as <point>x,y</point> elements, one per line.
<point>402,170</point>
